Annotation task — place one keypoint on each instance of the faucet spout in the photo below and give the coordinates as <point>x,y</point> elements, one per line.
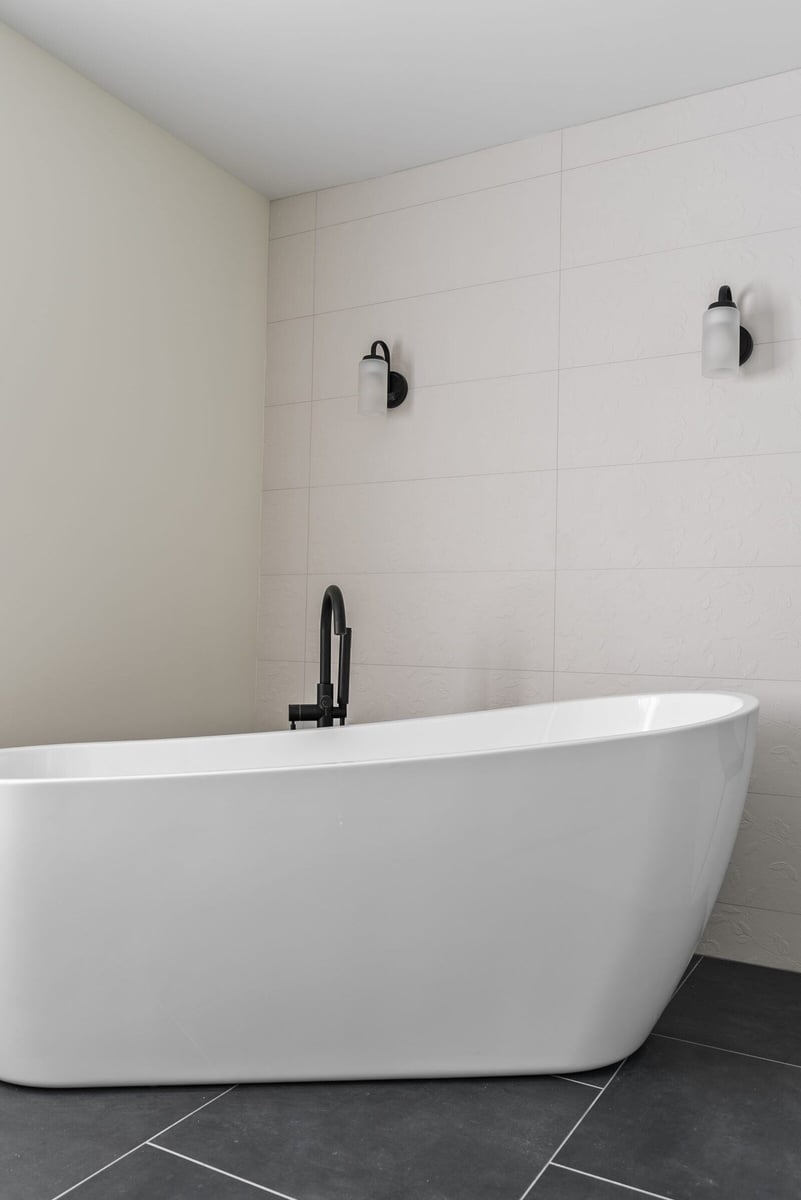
<point>325,712</point>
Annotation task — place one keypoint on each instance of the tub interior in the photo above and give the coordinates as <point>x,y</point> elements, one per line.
<point>426,737</point>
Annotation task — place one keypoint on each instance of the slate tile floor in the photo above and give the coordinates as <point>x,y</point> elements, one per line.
<point>710,1106</point>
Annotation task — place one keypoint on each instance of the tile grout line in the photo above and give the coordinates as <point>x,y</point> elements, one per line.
<point>558,414</point>
<point>260,584</point>
<point>678,249</point>
<point>517,180</point>
<point>686,976</point>
<point>609,675</point>
<point>606,466</point>
<point>569,1135</point>
<point>146,1142</point>
<point>778,1062</point>
<point>616,1182</point>
<point>701,137</point>
<point>745,903</point>
<point>311,436</point>
<point>478,191</point>
<point>598,1087</point>
<point>219,1171</point>
<point>584,266</point>
<point>681,141</point>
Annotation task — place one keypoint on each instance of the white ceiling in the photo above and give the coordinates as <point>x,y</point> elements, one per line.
<point>292,95</point>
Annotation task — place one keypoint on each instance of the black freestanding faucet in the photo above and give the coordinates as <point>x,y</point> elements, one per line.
<point>324,712</point>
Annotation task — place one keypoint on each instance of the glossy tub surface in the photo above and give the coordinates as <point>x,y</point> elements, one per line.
<point>513,891</point>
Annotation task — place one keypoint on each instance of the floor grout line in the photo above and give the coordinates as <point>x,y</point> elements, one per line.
<point>572,1079</point>
<point>686,976</point>
<point>778,1062</point>
<point>219,1171</point>
<point>567,1138</point>
<point>146,1142</point>
<point>616,1182</point>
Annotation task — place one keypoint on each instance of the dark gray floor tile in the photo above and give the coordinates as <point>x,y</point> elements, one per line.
<point>455,1139</point>
<point>756,1010</point>
<point>694,1123</point>
<point>149,1174</point>
<point>558,1184</point>
<point>52,1138</point>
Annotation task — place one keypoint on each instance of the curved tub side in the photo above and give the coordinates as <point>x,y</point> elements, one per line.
<point>513,913</point>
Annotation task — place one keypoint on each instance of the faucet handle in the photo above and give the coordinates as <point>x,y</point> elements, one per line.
<point>343,674</point>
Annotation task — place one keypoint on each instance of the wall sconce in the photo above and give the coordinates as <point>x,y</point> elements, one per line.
<point>725,344</point>
<point>380,387</point>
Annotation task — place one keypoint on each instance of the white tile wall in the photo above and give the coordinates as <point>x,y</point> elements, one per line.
<point>490,426</point>
<point>722,512</point>
<point>290,283</point>
<point>650,202</point>
<point>725,621</point>
<point>433,248</point>
<point>379,693</point>
<point>483,332</point>
<point>468,523</point>
<point>659,298</point>
<point>562,491</point>
<point>294,214</point>
<point>287,438</point>
<point>289,361</point>
<point>484,619</point>
<point>766,937</point>
<point>452,177</point>
<point>662,409</point>
<point>701,116</point>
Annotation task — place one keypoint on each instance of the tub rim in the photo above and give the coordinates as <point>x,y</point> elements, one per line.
<point>749,705</point>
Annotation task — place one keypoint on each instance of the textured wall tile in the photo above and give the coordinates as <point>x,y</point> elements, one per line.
<point>712,512</point>
<point>477,523</point>
<point>290,277</point>
<point>650,306</point>
<point>292,214</point>
<point>284,529</point>
<point>743,622</point>
<point>282,618</point>
<point>287,435</point>
<point>389,693</point>
<point>279,684</point>
<point>765,868</point>
<point>475,333</point>
<point>771,939</point>
<point>481,237</point>
<point>490,426</point>
<point>651,202</point>
<point>481,619</point>
<point>289,361</point>
<point>466,173</point>
<point>662,408</point>
<point>777,764</point>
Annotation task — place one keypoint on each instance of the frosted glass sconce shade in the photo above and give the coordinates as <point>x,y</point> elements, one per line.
<point>373,385</point>
<point>725,344</point>
<point>380,387</point>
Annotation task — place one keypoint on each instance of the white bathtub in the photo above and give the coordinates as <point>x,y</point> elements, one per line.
<point>513,891</point>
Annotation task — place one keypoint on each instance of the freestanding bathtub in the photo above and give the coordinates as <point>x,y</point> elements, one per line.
<point>513,891</point>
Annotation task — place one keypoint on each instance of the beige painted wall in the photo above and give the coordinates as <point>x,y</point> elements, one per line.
<point>563,506</point>
<point>132,312</point>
